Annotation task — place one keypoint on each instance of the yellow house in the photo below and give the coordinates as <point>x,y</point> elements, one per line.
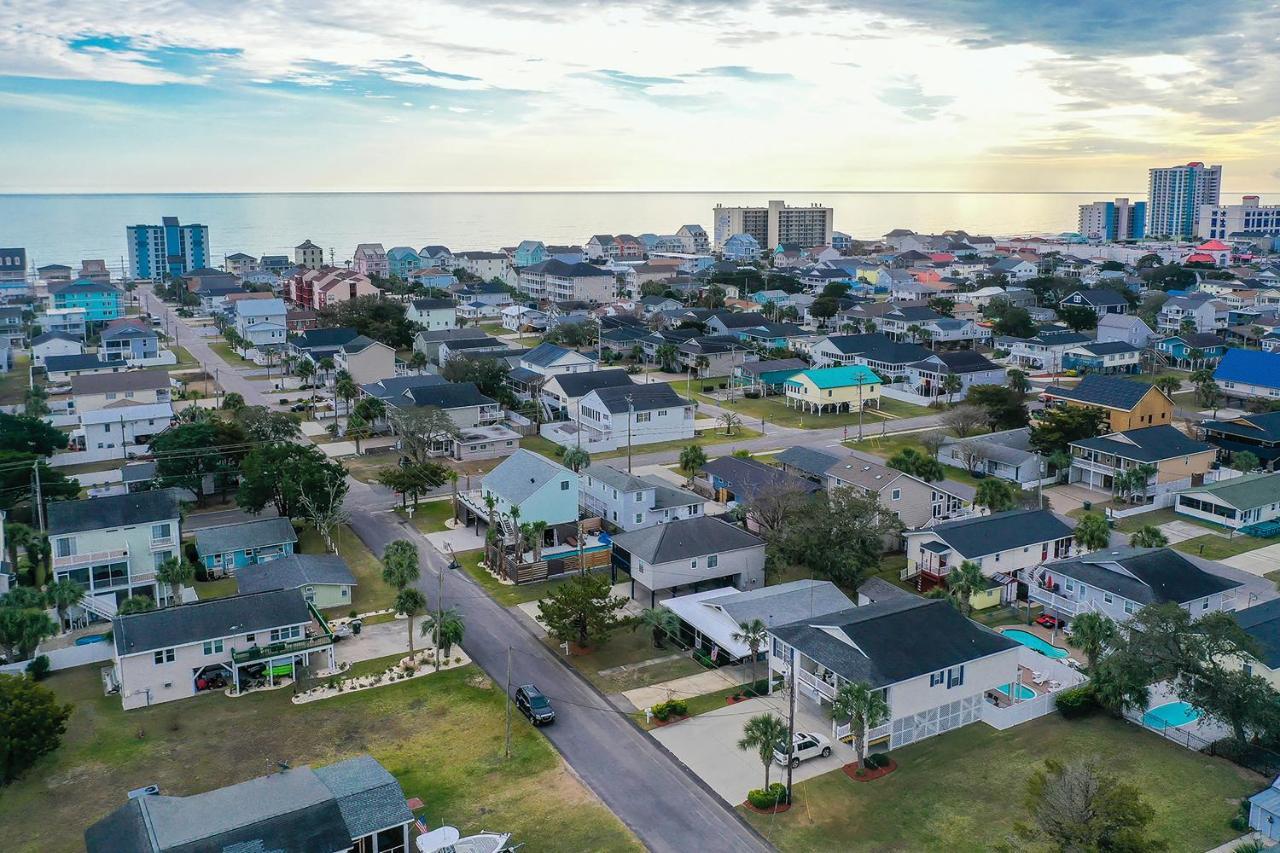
<point>847,388</point>
<point>1128,404</point>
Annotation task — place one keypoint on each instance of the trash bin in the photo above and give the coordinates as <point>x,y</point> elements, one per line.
<point>1087,505</point>
<point>356,625</point>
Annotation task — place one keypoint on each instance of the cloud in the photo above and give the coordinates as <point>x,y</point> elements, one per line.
<point>636,83</point>
<point>909,97</point>
<point>741,72</point>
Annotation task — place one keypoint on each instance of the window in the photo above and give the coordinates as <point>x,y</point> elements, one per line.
<point>713,561</point>
<point>164,656</point>
<point>66,547</point>
<point>896,495</point>
<point>564,485</point>
<point>291,633</point>
<point>639,518</point>
<point>1129,606</point>
<point>1108,598</point>
<point>1071,586</point>
<point>644,417</point>
<point>1247,670</point>
<point>1204,605</point>
<point>693,564</point>
<point>936,678</point>
<point>213,647</point>
<point>161,531</point>
<point>955,676</point>
<point>639,496</point>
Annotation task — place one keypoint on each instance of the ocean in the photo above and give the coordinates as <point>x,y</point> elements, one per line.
<point>68,228</point>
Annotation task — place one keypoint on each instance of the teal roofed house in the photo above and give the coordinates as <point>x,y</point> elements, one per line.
<point>529,252</point>
<point>846,388</point>
<point>401,261</point>
<point>100,301</point>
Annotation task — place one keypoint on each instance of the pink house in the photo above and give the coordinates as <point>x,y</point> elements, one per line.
<point>370,259</point>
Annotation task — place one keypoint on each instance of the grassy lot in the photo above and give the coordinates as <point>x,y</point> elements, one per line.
<point>91,467</point>
<point>629,647</point>
<point>371,592</point>
<point>216,589</point>
<point>888,446</point>
<point>229,355</point>
<point>773,410</point>
<point>441,736</point>
<point>963,790</point>
<point>429,517</point>
<point>14,384</point>
<point>1214,547</point>
<point>364,468</point>
<point>185,358</point>
<point>1274,577</point>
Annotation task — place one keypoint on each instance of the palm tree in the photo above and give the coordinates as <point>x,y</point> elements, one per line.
<point>692,458</point>
<point>864,708</point>
<point>576,458</point>
<point>1148,537</point>
<point>410,602</point>
<point>1093,633</point>
<point>666,356</point>
<point>175,573</point>
<point>1169,385</point>
<point>346,390</point>
<point>1060,460</point>
<point>18,535</point>
<point>914,331</point>
<point>764,733</point>
<point>418,361</point>
<point>1092,532</point>
<point>453,488</point>
<point>537,535</point>
<point>963,582</point>
<point>357,428</point>
<point>951,383</point>
<point>637,353</point>
<point>732,422</point>
<point>489,504</point>
<point>1018,381</point>
<point>135,604</point>
<point>445,629</point>
<point>755,634</point>
<point>661,623</point>
<point>371,409</point>
<point>326,367</point>
<point>400,563</point>
<point>63,595</point>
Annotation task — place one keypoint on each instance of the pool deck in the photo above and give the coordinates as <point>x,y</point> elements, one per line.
<point>1053,638</point>
<point>1026,678</point>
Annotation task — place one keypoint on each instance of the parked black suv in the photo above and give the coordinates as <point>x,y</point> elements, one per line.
<point>535,706</point>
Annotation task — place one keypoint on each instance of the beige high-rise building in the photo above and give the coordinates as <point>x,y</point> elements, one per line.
<point>308,254</point>
<point>774,224</point>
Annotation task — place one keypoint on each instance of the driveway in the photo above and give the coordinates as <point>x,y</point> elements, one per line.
<point>375,641</point>
<point>1181,531</point>
<point>1063,499</point>
<point>708,745</point>
<point>1257,562</point>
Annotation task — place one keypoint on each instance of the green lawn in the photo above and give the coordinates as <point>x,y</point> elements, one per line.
<point>216,589</point>
<point>628,647</point>
<point>888,446</point>
<point>441,736</point>
<point>775,411</point>
<point>229,355</point>
<point>185,358</point>
<point>508,595</point>
<point>371,592</point>
<point>91,467</point>
<point>1214,547</point>
<point>14,384</point>
<point>964,790</point>
<point>429,517</point>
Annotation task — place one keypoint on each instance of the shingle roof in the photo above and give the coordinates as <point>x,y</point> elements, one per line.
<point>639,398</point>
<point>580,384</point>
<point>976,537</point>
<point>1101,296</point>
<point>294,571</point>
<point>808,460</point>
<point>684,539</point>
<point>779,365</point>
<point>1108,347</point>
<point>433,304</point>
<point>1148,444</point>
<point>545,355</point>
<point>1150,575</point>
<point>744,320</point>
<point>331,337</point>
<point>129,380</point>
<point>893,640</point>
<point>1247,492</point>
<point>877,347</point>
<point>782,603</point>
<point>56,336</point>
<point>112,511</point>
<point>84,361</point>
<point>1251,367</point>
<point>521,474</point>
<point>1106,391</point>
<point>215,617</point>
<point>1263,427</point>
<point>368,796</point>
<point>966,361</point>
<point>620,480</point>
<point>748,477</point>
<point>1262,622</point>
<point>249,534</point>
<point>395,386</point>
<point>451,395</point>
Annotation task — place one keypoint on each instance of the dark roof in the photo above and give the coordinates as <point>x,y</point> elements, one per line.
<point>359,343</point>
<point>112,511</point>
<point>205,620</point>
<point>877,347</point>
<point>1262,622</point>
<point>1148,444</point>
<point>248,534</point>
<point>293,572</point>
<point>808,460</point>
<point>465,333</point>
<point>82,285</point>
<point>84,361</point>
<point>643,398</point>
<point>456,344</point>
<point>56,336</point>
<point>555,266</point>
<point>1146,575</point>
<point>684,539</point>
<point>1108,347</point>
<point>545,355</point>
<point>966,361</point>
<point>747,478</point>
<point>333,337</point>
<point>1100,297</point>
<point>1106,391</point>
<point>395,386</point>
<point>451,395</point>
<point>128,331</point>
<point>893,640</point>
<point>916,313</point>
<point>1262,427</point>
<point>433,304</point>
<point>975,537</point>
<point>744,320</point>
<point>581,384</point>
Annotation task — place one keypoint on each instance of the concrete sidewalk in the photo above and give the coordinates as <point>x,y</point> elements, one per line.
<point>697,684</point>
<point>1257,562</point>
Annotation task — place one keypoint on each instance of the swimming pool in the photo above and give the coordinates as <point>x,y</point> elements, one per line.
<point>1033,642</point>
<point>1170,715</point>
<point>91,639</point>
<point>1024,692</point>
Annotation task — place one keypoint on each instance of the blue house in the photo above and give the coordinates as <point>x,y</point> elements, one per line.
<point>528,253</point>
<point>537,488</point>
<point>234,546</point>
<point>1246,374</point>
<point>741,247</point>
<point>128,342</point>
<point>1181,350</point>
<point>101,301</point>
<point>401,261</point>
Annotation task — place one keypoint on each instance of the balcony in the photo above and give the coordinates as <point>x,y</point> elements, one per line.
<point>814,683</point>
<point>163,543</point>
<point>72,561</point>
<point>1050,599</point>
<point>286,647</point>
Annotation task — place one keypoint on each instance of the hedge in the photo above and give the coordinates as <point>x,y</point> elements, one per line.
<point>775,795</point>
<point>1076,701</point>
<point>671,708</point>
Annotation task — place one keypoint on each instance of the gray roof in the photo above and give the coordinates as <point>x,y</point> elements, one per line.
<point>545,355</point>
<point>1144,575</point>
<point>112,511</point>
<point>878,589</point>
<point>639,398</point>
<point>756,368</point>
<point>433,304</point>
<point>893,640</point>
<point>450,395</point>
<point>667,496</point>
<point>685,539</point>
<point>1108,347</point>
<point>580,384</point>
<point>521,474</point>
<point>1149,444</point>
<point>467,333</point>
<point>783,603</point>
<point>748,477</point>
<point>1100,296</point>
<point>128,380</point>
<point>976,537</point>
<point>138,472</point>
<point>56,336</point>
<point>294,571</point>
<point>205,620</point>
<point>877,347</point>
<point>368,796</point>
<point>620,480</point>
<point>258,533</point>
<point>128,331</point>
<point>85,361</point>
<point>1104,391</point>
<point>395,386</point>
<point>808,460</point>
<point>1262,622</point>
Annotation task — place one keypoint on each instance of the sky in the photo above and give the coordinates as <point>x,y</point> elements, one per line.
<point>372,95</point>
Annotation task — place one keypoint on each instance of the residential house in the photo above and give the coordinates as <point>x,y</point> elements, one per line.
<point>1178,460</point>
<point>694,239</point>
<point>71,321</point>
<point>353,805</point>
<point>263,324</point>
<point>915,502</point>
<point>437,256</point>
<point>486,266</point>
<point>1199,311</point>
<point>928,377</point>
<point>1000,544</point>
<point>806,462</point>
<point>51,273</point>
<point>1192,350</point>
<point>1103,357</point>
<point>492,441</point>
<point>742,247</point>
<point>1118,582</point>
<point>428,343</point>
<point>468,409</point>
<point>770,336</point>
<point>846,388</point>
<point>731,479</point>
<point>402,261</point>
<point>1007,455</point>
<point>889,358</point>
<point>433,278</point>
<point>561,393</point>
<point>13,333</point>
<point>1101,301</point>
<point>552,360</point>
<point>271,264</point>
<point>631,502</point>
<point>239,263</point>
<point>170,654</point>
<point>930,665</point>
<point>1013,268</point>
<point>712,355</point>
<point>370,259</point>
<point>687,553</point>
<point>1237,502</point>
<point>625,416</point>
<point>733,323</point>
<point>227,548</point>
<point>100,301</point>
<point>324,580</point>
<point>212,288</point>
<point>112,546</point>
<point>529,252</point>
<point>60,368</point>
<point>319,344</point>
<point>560,282</point>
<point>522,318</point>
<point>365,359</point>
<point>121,425</point>
<point>467,347</point>
<point>55,344</point>
<point>433,314</point>
<point>767,376</point>
<point>128,342</point>
<point>1249,374</point>
<point>568,254</point>
<point>1129,328</point>
<point>325,286</point>
<point>1128,404</point>
<point>132,387</point>
<point>1044,350</point>
<point>308,254</point>
<point>1256,434</point>
<point>1262,623</point>
<point>538,488</point>
<point>601,247</point>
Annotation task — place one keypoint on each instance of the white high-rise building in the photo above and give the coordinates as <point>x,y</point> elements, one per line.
<point>1220,222</point>
<point>1113,220</point>
<point>1175,196</point>
<point>777,223</point>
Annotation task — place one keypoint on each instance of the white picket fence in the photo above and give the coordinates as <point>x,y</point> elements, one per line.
<point>67,657</point>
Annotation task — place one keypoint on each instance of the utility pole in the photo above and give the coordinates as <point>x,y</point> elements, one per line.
<point>631,414</point>
<point>508,750</point>
<point>39,498</point>
<point>440,614</point>
<point>791,722</point>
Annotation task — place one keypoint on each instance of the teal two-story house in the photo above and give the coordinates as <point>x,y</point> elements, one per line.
<point>1193,350</point>
<point>539,489</point>
<point>233,546</point>
<point>100,301</point>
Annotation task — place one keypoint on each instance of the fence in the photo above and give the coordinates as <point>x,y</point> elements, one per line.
<point>67,657</point>
<point>899,392</point>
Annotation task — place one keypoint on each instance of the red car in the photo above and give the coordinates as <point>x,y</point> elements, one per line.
<point>1050,622</point>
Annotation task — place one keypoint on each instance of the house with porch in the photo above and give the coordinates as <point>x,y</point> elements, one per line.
<point>916,503</point>
<point>561,393</point>
<point>468,347</point>
<point>122,425</point>
<point>848,388</point>
<point>1262,623</point>
<point>468,409</point>
<point>891,359</point>
<point>1043,350</point>
<point>928,376</point>
<point>55,344</point>
<point>931,665</point>
<point>1118,582</point>
<point>1236,502</point>
<point>1196,312</point>
<point>1192,350</point>
<point>1103,357</point>
<point>537,488</point>
<point>179,652</point>
<point>1178,459</point>
<point>112,546</point>
<point>324,580</point>
<point>128,342</point>
<point>227,548</point>
<point>623,416</point>
<point>766,377</point>
<point>429,343</point>
<point>685,554</point>
<point>365,359</point>
<point>1001,544</point>
<point>1124,327</point>
<point>353,805</point>
<point>1128,404</point>
<point>1257,434</point>
<point>1007,455</point>
<point>94,392</point>
<point>433,314</point>
<point>631,502</point>
<point>730,478</point>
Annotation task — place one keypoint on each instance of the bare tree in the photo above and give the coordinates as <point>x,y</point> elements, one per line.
<point>772,507</point>
<point>932,441</point>
<point>420,429</point>
<point>965,420</point>
<point>973,453</point>
<point>327,514</point>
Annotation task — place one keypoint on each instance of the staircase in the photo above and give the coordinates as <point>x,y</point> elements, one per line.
<point>103,606</point>
<point>508,527</point>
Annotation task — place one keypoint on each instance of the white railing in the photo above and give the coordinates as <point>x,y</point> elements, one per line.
<point>71,560</point>
<point>814,683</point>
<point>840,731</point>
<point>1057,602</point>
<point>161,543</point>
<point>103,606</point>
<point>1018,713</point>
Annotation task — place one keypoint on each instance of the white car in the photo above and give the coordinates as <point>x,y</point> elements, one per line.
<point>805,745</point>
